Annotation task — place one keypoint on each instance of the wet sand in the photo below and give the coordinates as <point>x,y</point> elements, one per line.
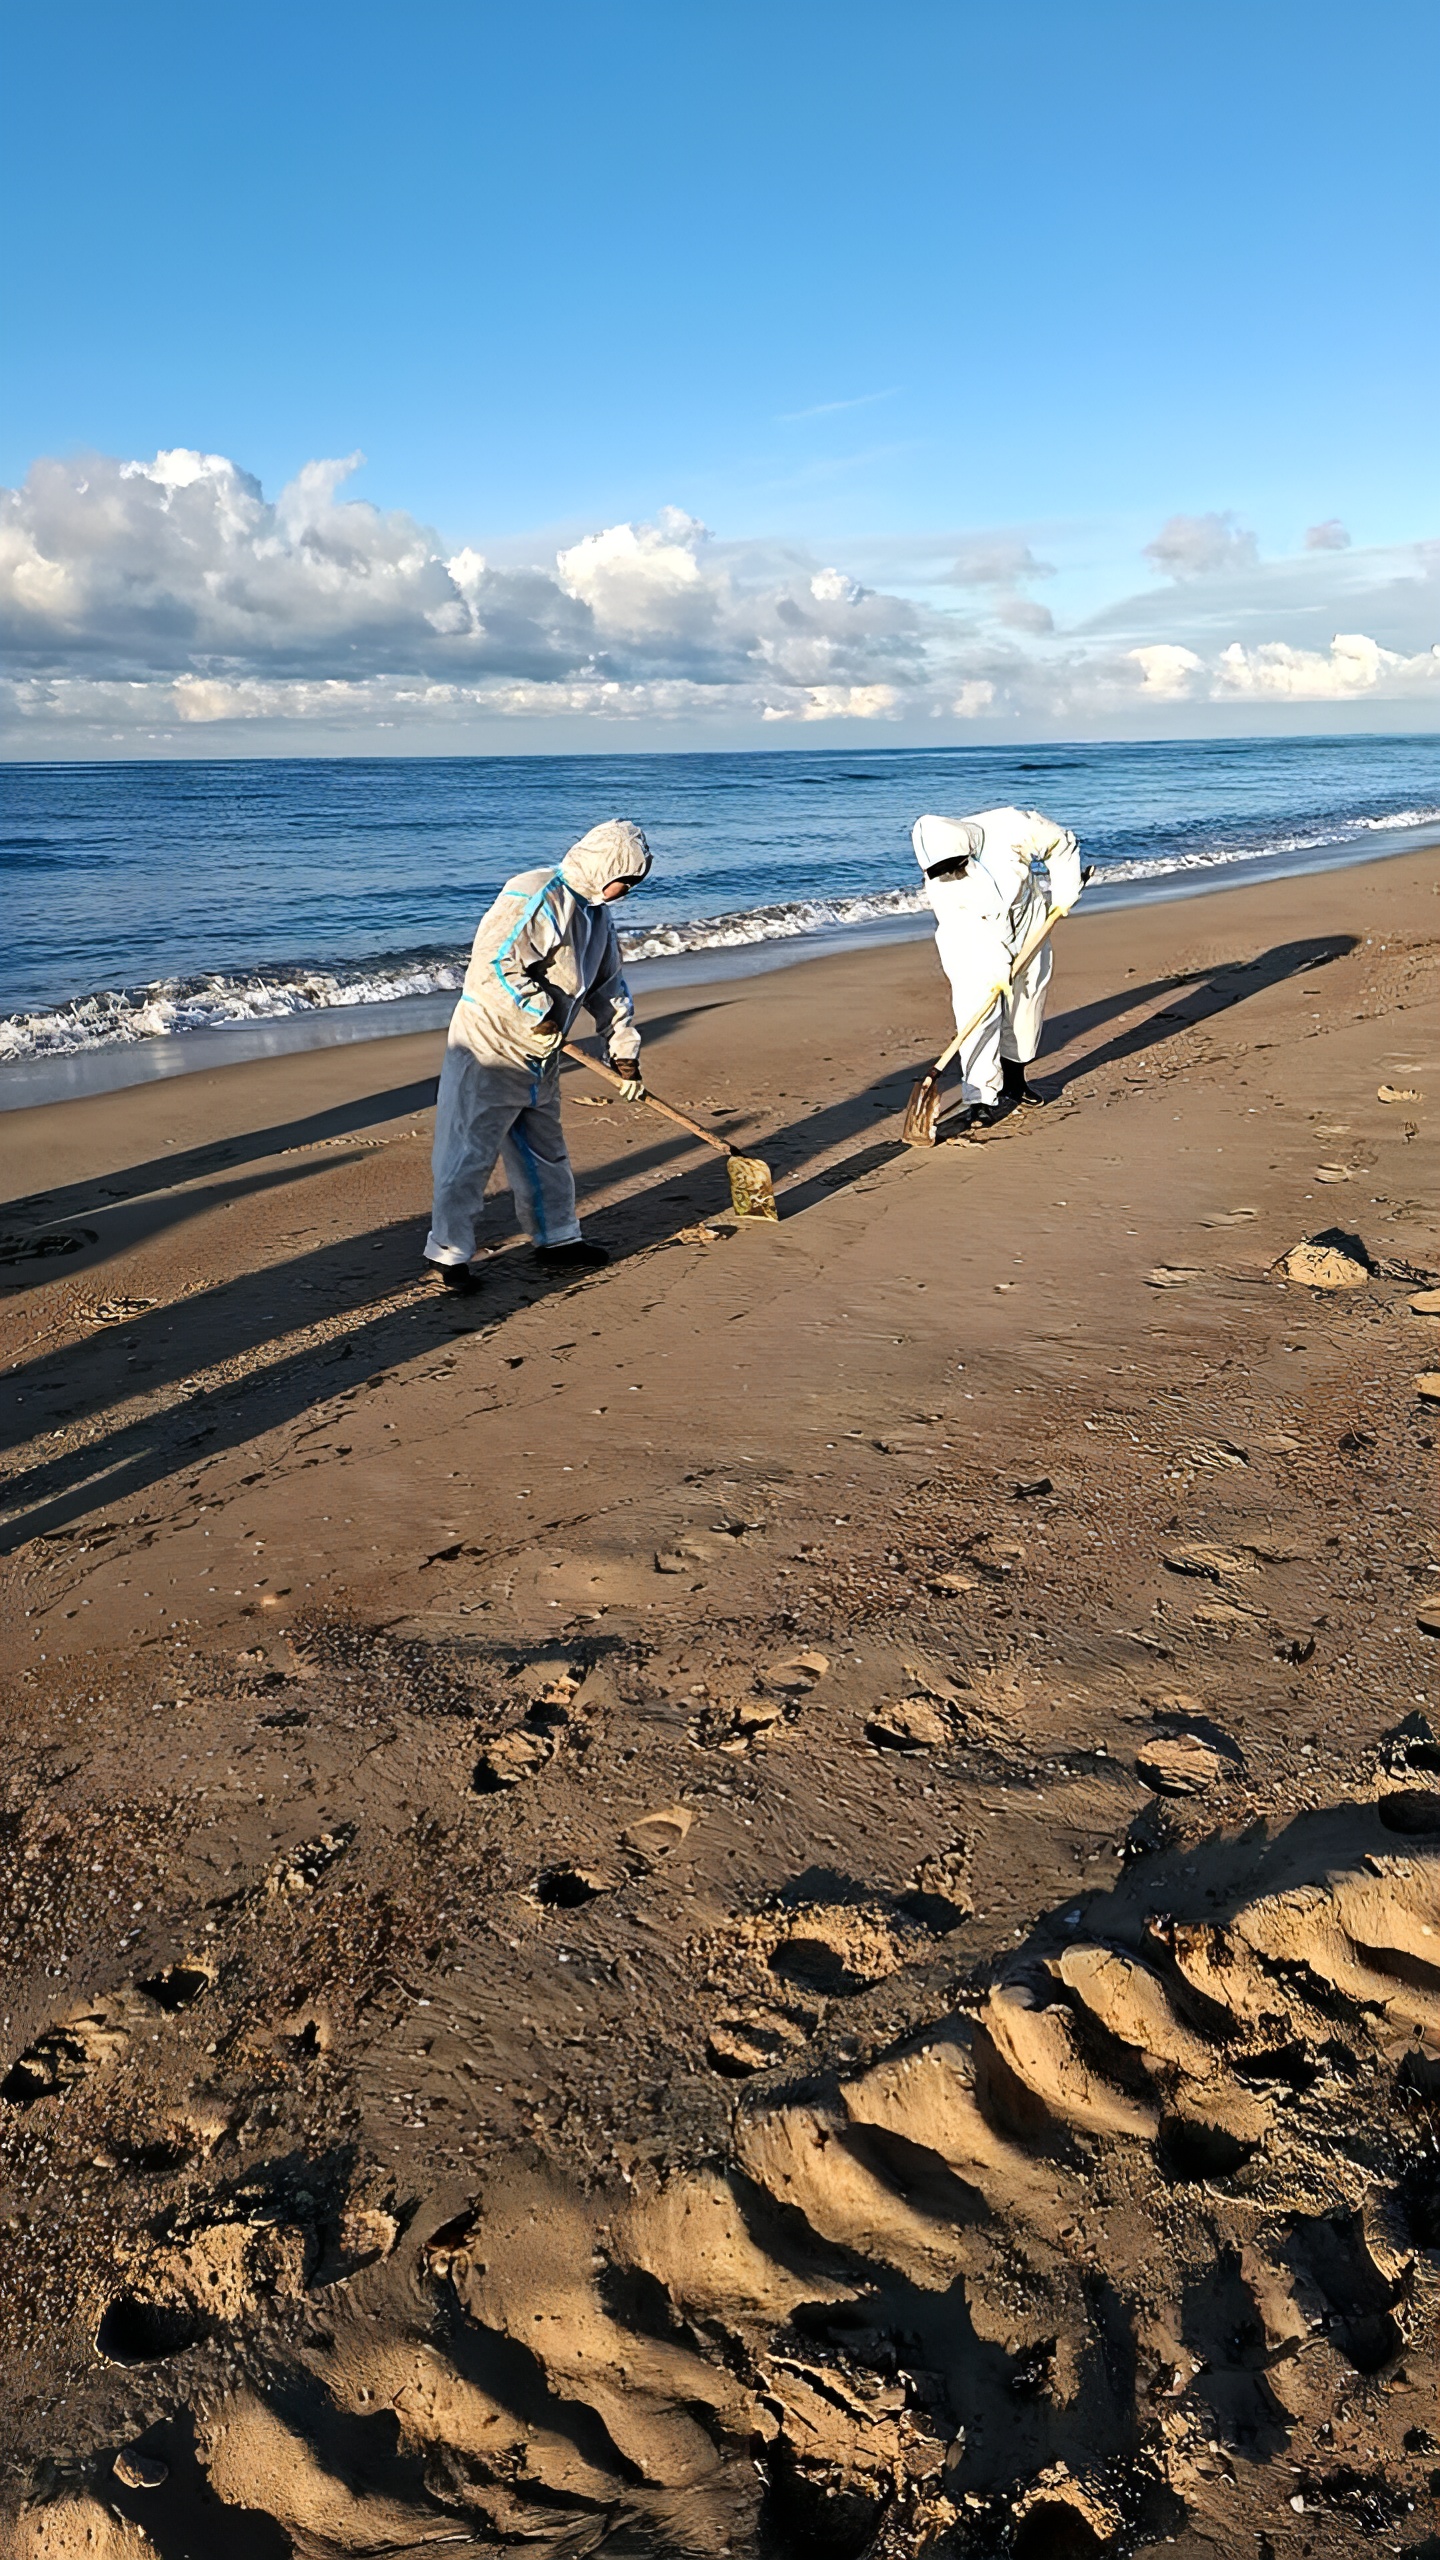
<point>776,1915</point>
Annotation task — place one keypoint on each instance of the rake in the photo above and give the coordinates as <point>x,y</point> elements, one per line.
<point>752,1185</point>
<point>922,1111</point>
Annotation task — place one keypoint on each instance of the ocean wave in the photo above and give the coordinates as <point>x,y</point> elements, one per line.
<point>769,924</point>
<point>172,1007</point>
<point>1337,833</point>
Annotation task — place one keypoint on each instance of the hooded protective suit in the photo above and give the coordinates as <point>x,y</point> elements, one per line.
<point>546,948</point>
<point>984,916</point>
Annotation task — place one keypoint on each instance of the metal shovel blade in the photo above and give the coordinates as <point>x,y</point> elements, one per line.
<point>922,1111</point>
<point>752,1188</point>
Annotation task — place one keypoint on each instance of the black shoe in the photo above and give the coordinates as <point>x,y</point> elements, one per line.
<point>571,1257</point>
<point>1014,1088</point>
<point>459,1277</point>
<point>978,1115</point>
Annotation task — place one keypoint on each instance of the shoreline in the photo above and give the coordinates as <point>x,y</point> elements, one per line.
<point>118,1064</point>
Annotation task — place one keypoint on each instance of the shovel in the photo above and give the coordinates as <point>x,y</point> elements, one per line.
<point>752,1187</point>
<point>923,1108</point>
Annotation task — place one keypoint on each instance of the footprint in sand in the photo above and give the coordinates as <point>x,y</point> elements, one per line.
<point>754,2039</point>
<point>89,2040</point>
<point>570,1888</point>
<point>939,1893</point>
<point>176,1986</point>
<point>509,1759</point>
<point>734,1725</point>
<point>655,1835</point>
<point>999,2244</point>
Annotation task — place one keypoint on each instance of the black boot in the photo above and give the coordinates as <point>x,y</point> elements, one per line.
<point>1015,1088</point>
<point>977,1116</point>
<point>571,1257</point>
<point>460,1277</point>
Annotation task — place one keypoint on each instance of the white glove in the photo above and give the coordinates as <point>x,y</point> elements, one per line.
<point>546,1043</point>
<point>633,1087</point>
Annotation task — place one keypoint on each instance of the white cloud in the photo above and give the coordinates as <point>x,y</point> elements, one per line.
<point>1353,664</point>
<point>1199,546</point>
<point>170,598</point>
<point>635,577</point>
<point>1024,613</point>
<point>1166,670</point>
<point>839,702</point>
<point>1329,536</point>
<point>995,560</point>
<point>973,700</point>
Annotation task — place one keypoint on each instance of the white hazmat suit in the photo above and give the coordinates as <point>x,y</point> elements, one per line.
<point>546,948</point>
<point>984,916</point>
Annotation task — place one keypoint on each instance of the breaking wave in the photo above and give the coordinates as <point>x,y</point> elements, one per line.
<point>171,1007</point>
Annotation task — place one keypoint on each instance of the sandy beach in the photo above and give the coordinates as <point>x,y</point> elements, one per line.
<point>794,1908</point>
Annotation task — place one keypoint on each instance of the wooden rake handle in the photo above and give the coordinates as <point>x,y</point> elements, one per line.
<point>666,1110</point>
<point>1001,987</point>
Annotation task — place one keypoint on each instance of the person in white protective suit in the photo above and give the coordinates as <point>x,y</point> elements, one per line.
<point>546,948</point>
<point>988,899</point>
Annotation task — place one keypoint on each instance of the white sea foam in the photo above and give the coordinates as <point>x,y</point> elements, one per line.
<point>170,1007</point>
<point>768,924</point>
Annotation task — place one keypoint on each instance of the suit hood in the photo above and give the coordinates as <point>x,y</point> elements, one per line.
<point>945,840</point>
<point>615,850</point>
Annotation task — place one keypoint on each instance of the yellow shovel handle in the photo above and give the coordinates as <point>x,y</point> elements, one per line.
<point>1002,987</point>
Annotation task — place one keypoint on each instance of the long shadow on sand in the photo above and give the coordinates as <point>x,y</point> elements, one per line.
<point>1198,996</point>
<point>236,1322</point>
<point>38,1218</point>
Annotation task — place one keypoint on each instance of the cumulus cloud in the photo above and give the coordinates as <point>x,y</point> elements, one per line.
<point>1201,546</point>
<point>1167,670</point>
<point>1353,664</point>
<point>1024,613</point>
<point>1329,536</point>
<point>171,598</point>
<point>996,560</point>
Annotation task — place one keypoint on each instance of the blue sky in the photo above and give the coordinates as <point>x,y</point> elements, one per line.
<point>862,290</point>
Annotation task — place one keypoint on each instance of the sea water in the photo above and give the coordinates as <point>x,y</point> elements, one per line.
<point>153,908</point>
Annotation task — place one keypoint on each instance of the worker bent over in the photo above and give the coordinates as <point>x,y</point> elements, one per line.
<point>546,948</point>
<point>988,901</point>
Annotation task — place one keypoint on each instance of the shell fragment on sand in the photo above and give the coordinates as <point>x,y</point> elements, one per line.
<point>1427,1386</point>
<point>1173,1275</point>
<point>1427,1303</point>
<point>1397,1093</point>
